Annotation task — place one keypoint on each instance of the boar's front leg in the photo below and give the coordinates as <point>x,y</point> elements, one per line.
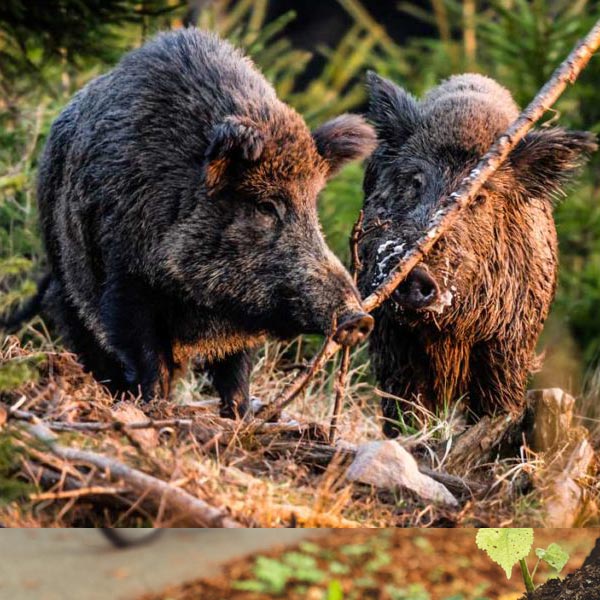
<point>231,378</point>
<point>401,368</point>
<point>128,315</point>
<point>498,378</point>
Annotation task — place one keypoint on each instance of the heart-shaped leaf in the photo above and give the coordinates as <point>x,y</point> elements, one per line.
<point>554,555</point>
<point>505,547</point>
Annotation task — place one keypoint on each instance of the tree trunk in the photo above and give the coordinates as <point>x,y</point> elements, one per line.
<point>584,584</point>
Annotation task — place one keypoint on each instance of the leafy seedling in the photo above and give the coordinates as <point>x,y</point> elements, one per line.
<point>310,548</point>
<point>338,568</point>
<point>376,564</point>
<point>413,592</point>
<point>355,550</point>
<point>507,547</point>
<point>271,576</point>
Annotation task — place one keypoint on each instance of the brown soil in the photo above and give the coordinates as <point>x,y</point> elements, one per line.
<point>581,585</point>
<point>446,563</point>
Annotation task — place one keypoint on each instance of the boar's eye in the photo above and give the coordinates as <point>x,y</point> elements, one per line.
<point>268,209</point>
<point>417,182</point>
<point>480,198</point>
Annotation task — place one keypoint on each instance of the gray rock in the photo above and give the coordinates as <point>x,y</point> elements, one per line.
<point>387,465</point>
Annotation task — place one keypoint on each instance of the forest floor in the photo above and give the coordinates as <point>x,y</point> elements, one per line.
<point>277,476</point>
<point>381,565</point>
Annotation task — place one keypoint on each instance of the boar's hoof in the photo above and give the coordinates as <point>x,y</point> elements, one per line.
<point>354,329</point>
<point>418,290</point>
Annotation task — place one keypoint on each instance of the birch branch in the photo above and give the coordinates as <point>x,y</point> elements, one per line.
<point>460,199</point>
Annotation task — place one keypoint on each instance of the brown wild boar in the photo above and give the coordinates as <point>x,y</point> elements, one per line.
<point>465,323</point>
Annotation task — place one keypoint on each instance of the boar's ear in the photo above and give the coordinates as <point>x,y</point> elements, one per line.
<point>393,110</point>
<point>545,159</point>
<point>235,140</point>
<point>343,139</point>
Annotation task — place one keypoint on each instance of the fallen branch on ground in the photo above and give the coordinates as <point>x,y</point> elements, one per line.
<point>184,507</point>
<point>24,415</point>
<point>94,490</point>
<point>457,201</point>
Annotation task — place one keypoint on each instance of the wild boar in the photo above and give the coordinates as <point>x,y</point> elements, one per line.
<point>465,323</point>
<point>177,198</point>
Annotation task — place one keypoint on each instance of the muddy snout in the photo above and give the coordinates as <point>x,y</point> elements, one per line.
<point>418,290</point>
<point>353,328</point>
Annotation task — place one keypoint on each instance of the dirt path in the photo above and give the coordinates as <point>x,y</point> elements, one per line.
<point>81,565</point>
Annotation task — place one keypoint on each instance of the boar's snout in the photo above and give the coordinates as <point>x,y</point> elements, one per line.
<point>353,328</point>
<point>418,290</point>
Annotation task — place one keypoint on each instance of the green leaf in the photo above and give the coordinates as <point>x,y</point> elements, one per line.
<point>355,549</point>
<point>310,547</point>
<point>554,555</point>
<point>375,564</point>
<point>413,592</point>
<point>505,547</point>
<point>338,568</point>
<point>423,544</point>
<point>366,582</point>
<point>251,586</point>
<point>273,573</point>
<point>297,560</point>
<point>335,590</point>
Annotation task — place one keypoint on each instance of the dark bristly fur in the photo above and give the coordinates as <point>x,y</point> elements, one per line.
<point>496,268</point>
<point>177,199</point>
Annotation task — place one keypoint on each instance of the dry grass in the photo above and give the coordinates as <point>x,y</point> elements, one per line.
<point>263,478</point>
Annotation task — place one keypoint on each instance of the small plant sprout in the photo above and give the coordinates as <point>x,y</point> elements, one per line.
<point>507,547</point>
<point>554,556</point>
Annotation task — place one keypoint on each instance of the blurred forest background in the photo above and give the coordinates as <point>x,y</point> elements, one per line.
<point>316,54</point>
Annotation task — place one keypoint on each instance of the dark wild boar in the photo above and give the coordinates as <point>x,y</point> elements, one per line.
<point>465,322</point>
<point>177,198</point>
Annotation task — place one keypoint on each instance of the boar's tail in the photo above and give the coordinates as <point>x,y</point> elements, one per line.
<point>31,307</point>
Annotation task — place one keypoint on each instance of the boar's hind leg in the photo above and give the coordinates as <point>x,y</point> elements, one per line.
<point>80,340</point>
<point>128,314</point>
<point>231,378</point>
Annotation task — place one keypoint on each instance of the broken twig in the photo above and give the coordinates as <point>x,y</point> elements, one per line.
<point>342,376</point>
